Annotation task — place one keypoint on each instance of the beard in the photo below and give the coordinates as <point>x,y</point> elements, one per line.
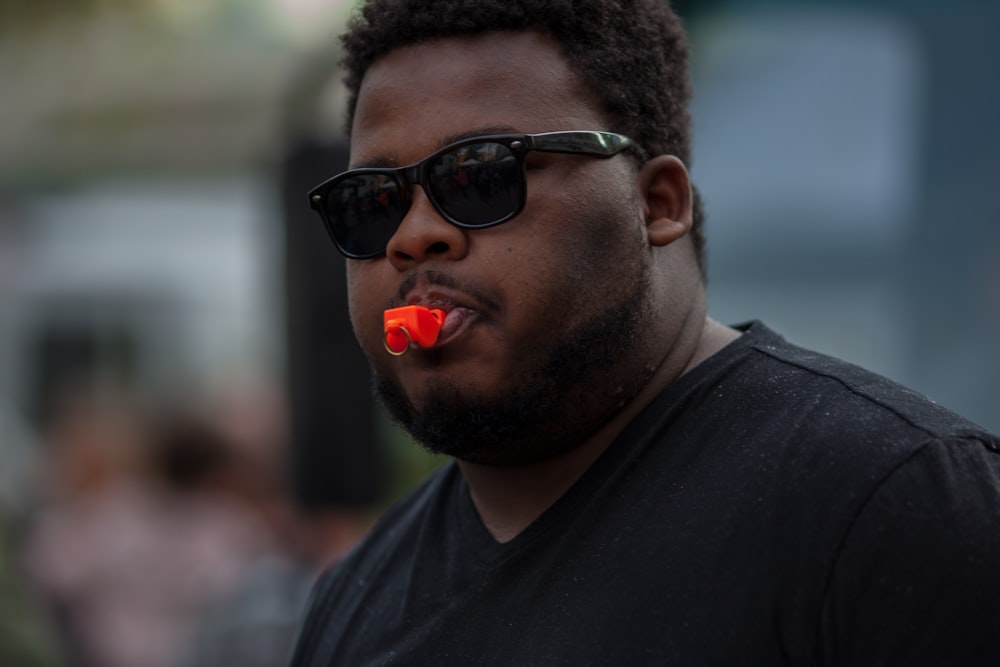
<point>563,395</point>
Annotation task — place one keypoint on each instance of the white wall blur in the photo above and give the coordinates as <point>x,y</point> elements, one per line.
<point>190,268</point>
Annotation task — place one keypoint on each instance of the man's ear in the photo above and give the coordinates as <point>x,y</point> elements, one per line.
<point>665,190</point>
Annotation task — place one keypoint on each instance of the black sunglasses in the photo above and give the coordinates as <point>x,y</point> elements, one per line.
<point>473,183</point>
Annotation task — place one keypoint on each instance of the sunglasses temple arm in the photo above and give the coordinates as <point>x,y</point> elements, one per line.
<point>587,143</point>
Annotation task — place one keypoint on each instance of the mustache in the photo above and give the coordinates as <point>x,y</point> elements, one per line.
<point>434,278</point>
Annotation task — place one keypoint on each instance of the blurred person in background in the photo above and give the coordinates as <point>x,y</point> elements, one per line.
<point>633,482</point>
<point>255,624</point>
<point>141,531</point>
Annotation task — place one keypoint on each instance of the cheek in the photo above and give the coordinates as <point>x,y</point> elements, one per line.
<point>584,255</point>
<point>364,303</point>
<point>355,293</point>
<point>600,230</point>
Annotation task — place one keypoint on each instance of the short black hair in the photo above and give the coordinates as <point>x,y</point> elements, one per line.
<point>632,54</point>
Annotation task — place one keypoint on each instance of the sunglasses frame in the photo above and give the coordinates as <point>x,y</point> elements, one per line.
<point>582,142</point>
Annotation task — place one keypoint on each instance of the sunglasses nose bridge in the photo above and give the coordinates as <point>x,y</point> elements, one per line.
<point>416,175</point>
<point>412,175</point>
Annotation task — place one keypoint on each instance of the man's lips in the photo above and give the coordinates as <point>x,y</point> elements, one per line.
<point>436,289</point>
<point>462,303</point>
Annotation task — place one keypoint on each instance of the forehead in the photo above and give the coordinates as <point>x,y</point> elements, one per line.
<point>417,98</point>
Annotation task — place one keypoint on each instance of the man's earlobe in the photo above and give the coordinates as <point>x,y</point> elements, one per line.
<point>667,201</point>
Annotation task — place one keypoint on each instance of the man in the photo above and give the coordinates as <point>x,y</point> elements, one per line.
<point>633,482</point>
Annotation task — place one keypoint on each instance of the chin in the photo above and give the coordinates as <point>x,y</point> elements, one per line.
<point>526,424</point>
<point>455,421</point>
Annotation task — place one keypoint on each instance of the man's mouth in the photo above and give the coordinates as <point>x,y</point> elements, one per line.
<point>462,306</point>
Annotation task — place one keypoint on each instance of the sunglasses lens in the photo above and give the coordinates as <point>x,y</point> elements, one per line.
<point>363,212</point>
<point>478,184</point>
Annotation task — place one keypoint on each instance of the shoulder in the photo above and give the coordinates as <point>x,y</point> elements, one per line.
<point>844,400</point>
<point>912,492</point>
<point>915,579</point>
<point>818,436</point>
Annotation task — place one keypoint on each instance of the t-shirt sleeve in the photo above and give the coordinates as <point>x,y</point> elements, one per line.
<point>917,580</point>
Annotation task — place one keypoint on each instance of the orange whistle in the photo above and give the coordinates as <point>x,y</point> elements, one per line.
<point>411,324</point>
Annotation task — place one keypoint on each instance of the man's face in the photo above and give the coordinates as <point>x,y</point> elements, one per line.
<point>540,346</point>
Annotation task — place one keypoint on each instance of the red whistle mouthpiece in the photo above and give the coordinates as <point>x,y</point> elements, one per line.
<point>411,325</point>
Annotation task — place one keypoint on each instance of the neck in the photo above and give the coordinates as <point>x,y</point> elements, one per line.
<point>509,498</point>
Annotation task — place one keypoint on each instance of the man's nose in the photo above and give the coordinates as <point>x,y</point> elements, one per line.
<point>424,234</point>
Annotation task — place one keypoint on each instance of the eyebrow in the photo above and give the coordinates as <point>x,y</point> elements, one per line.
<point>386,162</point>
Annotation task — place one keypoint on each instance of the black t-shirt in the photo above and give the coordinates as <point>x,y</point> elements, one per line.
<point>772,507</point>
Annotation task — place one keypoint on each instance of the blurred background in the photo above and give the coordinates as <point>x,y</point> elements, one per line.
<point>185,439</point>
